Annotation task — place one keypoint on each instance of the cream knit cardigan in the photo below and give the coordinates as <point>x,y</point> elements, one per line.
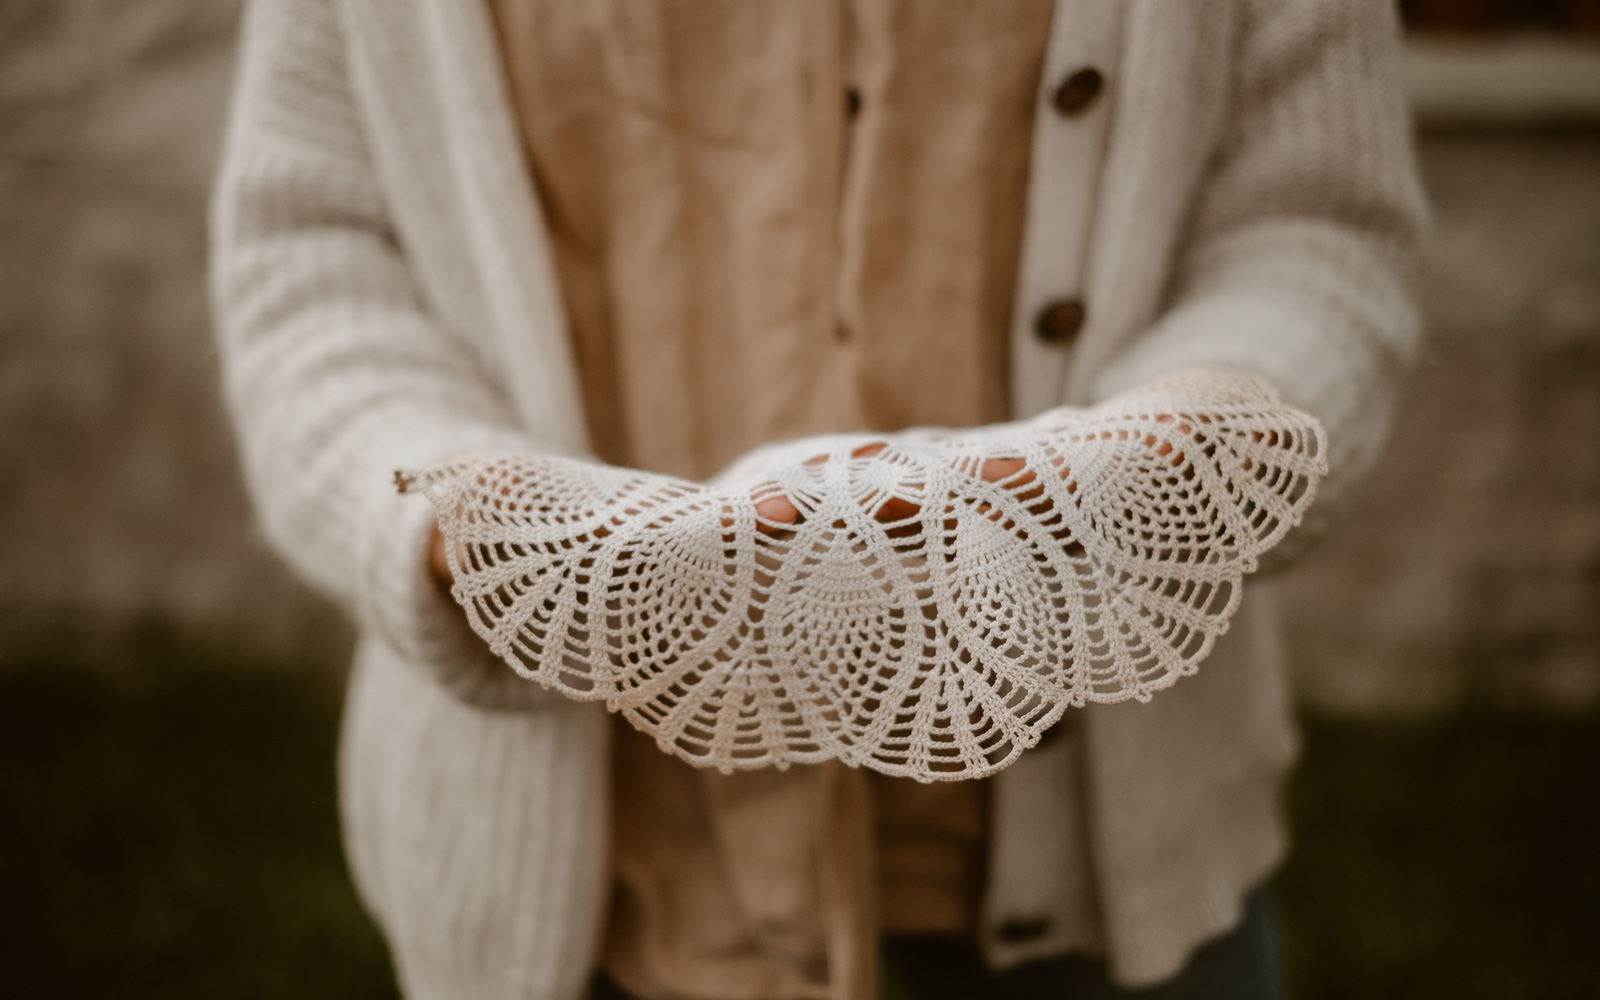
<point>1243,195</point>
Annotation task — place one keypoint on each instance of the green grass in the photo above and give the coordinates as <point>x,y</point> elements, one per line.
<point>1452,858</point>
<point>168,829</point>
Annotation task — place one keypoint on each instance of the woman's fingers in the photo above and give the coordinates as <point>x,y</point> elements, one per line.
<point>896,509</point>
<point>777,508</point>
<point>439,559</point>
<point>996,469</point>
<point>775,511</point>
<point>1165,448</point>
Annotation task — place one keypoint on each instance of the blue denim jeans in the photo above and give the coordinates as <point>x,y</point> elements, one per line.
<point>1243,964</point>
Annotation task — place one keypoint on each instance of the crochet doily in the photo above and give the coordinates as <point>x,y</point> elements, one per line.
<point>937,646</point>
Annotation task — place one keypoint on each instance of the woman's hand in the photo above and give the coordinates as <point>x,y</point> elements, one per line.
<point>777,510</point>
<point>778,507</point>
<point>439,560</point>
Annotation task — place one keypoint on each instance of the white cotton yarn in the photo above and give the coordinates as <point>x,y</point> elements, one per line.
<point>936,647</point>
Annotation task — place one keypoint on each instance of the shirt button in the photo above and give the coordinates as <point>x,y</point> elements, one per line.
<point>1078,91</point>
<point>1020,930</point>
<point>1060,321</point>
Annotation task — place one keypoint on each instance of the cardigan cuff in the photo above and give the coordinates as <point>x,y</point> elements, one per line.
<point>1347,387</point>
<point>1233,331</point>
<point>403,605</point>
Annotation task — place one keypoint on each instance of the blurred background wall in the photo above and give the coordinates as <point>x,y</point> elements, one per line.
<point>1471,572</point>
<point>123,499</point>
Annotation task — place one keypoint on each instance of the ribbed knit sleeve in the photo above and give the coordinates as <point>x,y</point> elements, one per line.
<point>1305,237</point>
<point>335,371</point>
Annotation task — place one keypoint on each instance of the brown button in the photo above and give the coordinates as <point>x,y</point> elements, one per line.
<point>1020,930</point>
<point>852,102</point>
<point>1078,91</point>
<point>1060,321</point>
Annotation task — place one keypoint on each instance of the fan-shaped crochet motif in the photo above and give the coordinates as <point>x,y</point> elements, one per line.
<point>937,646</point>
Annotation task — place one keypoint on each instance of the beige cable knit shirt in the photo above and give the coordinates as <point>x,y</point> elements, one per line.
<point>1243,195</point>
<point>772,221</point>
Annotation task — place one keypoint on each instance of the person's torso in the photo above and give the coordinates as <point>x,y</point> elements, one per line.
<point>770,221</point>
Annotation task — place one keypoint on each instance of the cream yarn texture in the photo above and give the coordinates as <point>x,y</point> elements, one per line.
<point>938,646</point>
